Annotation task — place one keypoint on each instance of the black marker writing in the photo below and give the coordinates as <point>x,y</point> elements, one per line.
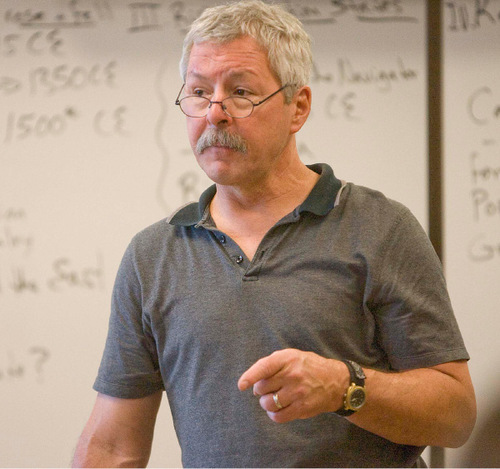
<point>482,107</point>
<point>480,249</point>
<point>484,204</point>
<point>31,124</point>
<point>144,16</point>
<point>72,17</point>
<point>66,275</point>
<point>319,76</point>
<point>14,240</point>
<point>483,172</point>
<point>111,122</point>
<point>21,283</point>
<point>49,80</point>
<point>24,363</point>
<point>373,11</point>
<point>465,16</point>
<point>39,43</point>
<point>383,78</point>
<point>183,14</point>
<point>341,106</point>
<point>12,213</point>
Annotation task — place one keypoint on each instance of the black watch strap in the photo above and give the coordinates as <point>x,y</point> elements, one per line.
<point>356,376</point>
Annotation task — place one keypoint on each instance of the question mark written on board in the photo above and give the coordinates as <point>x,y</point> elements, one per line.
<point>42,356</point>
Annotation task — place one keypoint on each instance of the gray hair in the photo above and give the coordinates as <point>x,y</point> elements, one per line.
<point>278,31</point>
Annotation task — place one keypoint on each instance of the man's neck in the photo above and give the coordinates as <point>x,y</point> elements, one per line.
<point>278,195</point>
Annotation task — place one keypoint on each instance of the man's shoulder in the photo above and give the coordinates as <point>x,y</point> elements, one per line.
<point>185,216</point>
<point>372,201</point>
<point>153,234</point>
<point>369,210</point>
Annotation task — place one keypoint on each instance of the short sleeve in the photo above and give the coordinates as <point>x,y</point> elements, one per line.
<point>414,315</point>
<point>129,366</point>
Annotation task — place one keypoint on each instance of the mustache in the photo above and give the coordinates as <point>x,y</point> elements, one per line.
<point>221,138</point>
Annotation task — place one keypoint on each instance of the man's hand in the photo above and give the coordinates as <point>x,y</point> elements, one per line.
<point>305,383</point>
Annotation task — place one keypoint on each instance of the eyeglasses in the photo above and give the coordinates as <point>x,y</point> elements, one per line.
<point>237,107</point>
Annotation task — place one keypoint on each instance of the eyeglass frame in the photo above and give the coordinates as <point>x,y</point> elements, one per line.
<point>210,102</point>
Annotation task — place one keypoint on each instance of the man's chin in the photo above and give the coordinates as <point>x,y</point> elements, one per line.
<point>221,172</point>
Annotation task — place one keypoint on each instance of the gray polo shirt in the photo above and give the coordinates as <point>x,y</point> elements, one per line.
<point>190,313</point>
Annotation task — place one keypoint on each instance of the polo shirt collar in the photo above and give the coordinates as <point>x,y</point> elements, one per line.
<point>320,201</point>
<point>322,198</point>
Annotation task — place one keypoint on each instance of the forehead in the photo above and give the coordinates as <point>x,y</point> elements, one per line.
<point>239,57</point>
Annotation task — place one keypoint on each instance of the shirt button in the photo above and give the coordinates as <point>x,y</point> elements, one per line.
<point>222,239</point>
<point>239,260</point>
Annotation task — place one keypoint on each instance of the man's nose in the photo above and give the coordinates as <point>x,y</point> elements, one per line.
<point>216,114</point>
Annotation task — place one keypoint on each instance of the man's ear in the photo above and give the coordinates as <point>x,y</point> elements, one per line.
<point>302,102</point>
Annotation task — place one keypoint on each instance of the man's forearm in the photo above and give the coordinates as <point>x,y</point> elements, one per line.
<point>119,432</point>
<point>91,453</point>
<point>430,406</point>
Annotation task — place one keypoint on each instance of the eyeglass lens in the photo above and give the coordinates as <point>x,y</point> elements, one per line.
<point>196,106</point>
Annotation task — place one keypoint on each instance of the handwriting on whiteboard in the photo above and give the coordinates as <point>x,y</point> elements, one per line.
<point>346,72</point>
<point>24,364</point>
<point>47,80</point>
<point>28,125</point>
<point>483,112</point>
<point>463,16</point>
<point>485,175</point>
<point>146,15</point>
<point>20,275</point>
<point>484,247</point>
<point>62,275</point>
<point>483,109</point>
<point>70,14</point>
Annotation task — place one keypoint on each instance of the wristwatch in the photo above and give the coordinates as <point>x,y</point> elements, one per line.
<point>355,396</point>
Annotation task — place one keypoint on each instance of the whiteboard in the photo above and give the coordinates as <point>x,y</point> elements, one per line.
<point>92,150</point>
<point>472,201</point>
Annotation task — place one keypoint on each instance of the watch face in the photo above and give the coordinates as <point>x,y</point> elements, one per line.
<point>357,398</point>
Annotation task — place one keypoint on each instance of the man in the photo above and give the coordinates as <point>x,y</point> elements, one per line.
<point>324,298</point>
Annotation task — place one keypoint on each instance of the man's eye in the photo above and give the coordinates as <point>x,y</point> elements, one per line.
<point>241,92</point>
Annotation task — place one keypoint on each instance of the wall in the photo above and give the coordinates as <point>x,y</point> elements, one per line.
<point>471,51</point>
<point>92,149</point>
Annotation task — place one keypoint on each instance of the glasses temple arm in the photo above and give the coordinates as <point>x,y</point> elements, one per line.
<point>177,101</point>
<point>271,95</point>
